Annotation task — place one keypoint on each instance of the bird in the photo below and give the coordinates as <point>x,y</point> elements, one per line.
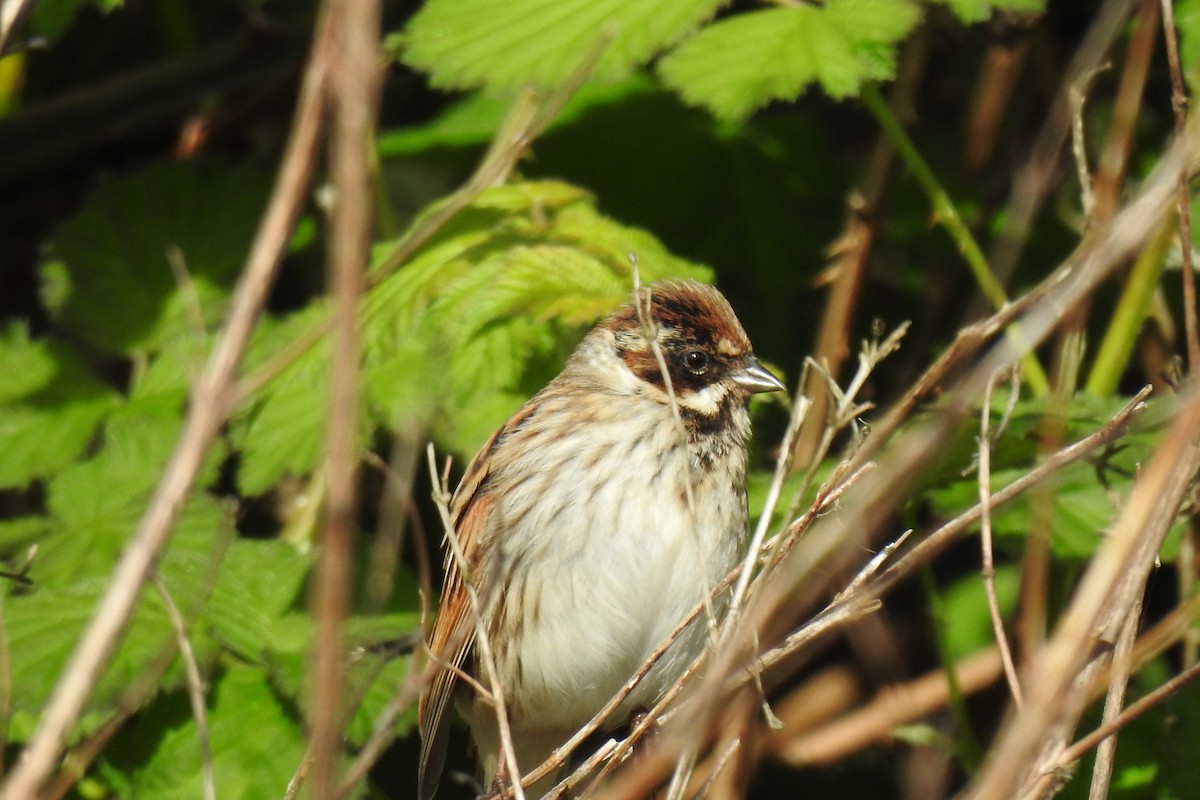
<point>591,523</point>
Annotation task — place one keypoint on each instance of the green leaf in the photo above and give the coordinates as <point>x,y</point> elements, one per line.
<point>255,741</point>
<point>739,64</point>
<point>1187,22</point>
<point>259,581</point>
<point>968,623</point>
<point>474,119</point>
<point>111,282</point>
<point>50,407</point>
<point>376,671</point>
<point>45,624</point>
<point>978,10</point>
<point>465,44</point>
<point>51,18</point>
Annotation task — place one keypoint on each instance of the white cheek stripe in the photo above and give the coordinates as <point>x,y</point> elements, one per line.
<point>707,401</point>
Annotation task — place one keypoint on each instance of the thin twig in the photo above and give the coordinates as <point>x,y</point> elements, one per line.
<point>722,761</point>
<point>1179,104</point>
<point>1118,680</point>
<point>783,465</point>
<point>985,523</point>
<point>643,304</point>
<point>1187,546</point>
<point>207,411</point>
<point>1131,713</point>
<point>930,546</point>
<point>195,686</point>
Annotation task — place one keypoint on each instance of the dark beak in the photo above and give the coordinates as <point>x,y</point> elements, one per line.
<point>755,378</point>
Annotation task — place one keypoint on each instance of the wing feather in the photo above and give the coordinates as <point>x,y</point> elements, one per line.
<point>453,633</point>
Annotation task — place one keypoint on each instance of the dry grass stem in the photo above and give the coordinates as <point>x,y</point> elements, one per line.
<point>195,687</point>
<point>783,465</point>
<point>718,768</point>
<point>1078,98</point>
<point>1131,712</point>
<point>985,535</point>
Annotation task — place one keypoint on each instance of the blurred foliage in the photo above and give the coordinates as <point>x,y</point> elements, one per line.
<point>713,142</point>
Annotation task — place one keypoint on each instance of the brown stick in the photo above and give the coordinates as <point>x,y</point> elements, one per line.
<point>356,71</point>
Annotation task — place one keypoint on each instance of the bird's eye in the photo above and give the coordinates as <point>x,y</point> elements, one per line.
<point>696,361</point>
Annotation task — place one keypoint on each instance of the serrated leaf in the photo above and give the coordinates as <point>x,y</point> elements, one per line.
<point>1085,494</point>
<point>95,504</point>
<point>738,64</point>
<point>471,43</point>
<point>376,670</point>
<point>255,742</point>
<point>110,280</point>
<point>50,407</point>
<point>283,433</point>
<point>45,623</point>
<point>259,581</point>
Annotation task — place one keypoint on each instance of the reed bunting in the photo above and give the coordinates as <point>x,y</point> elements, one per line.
<point>592,523</point>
